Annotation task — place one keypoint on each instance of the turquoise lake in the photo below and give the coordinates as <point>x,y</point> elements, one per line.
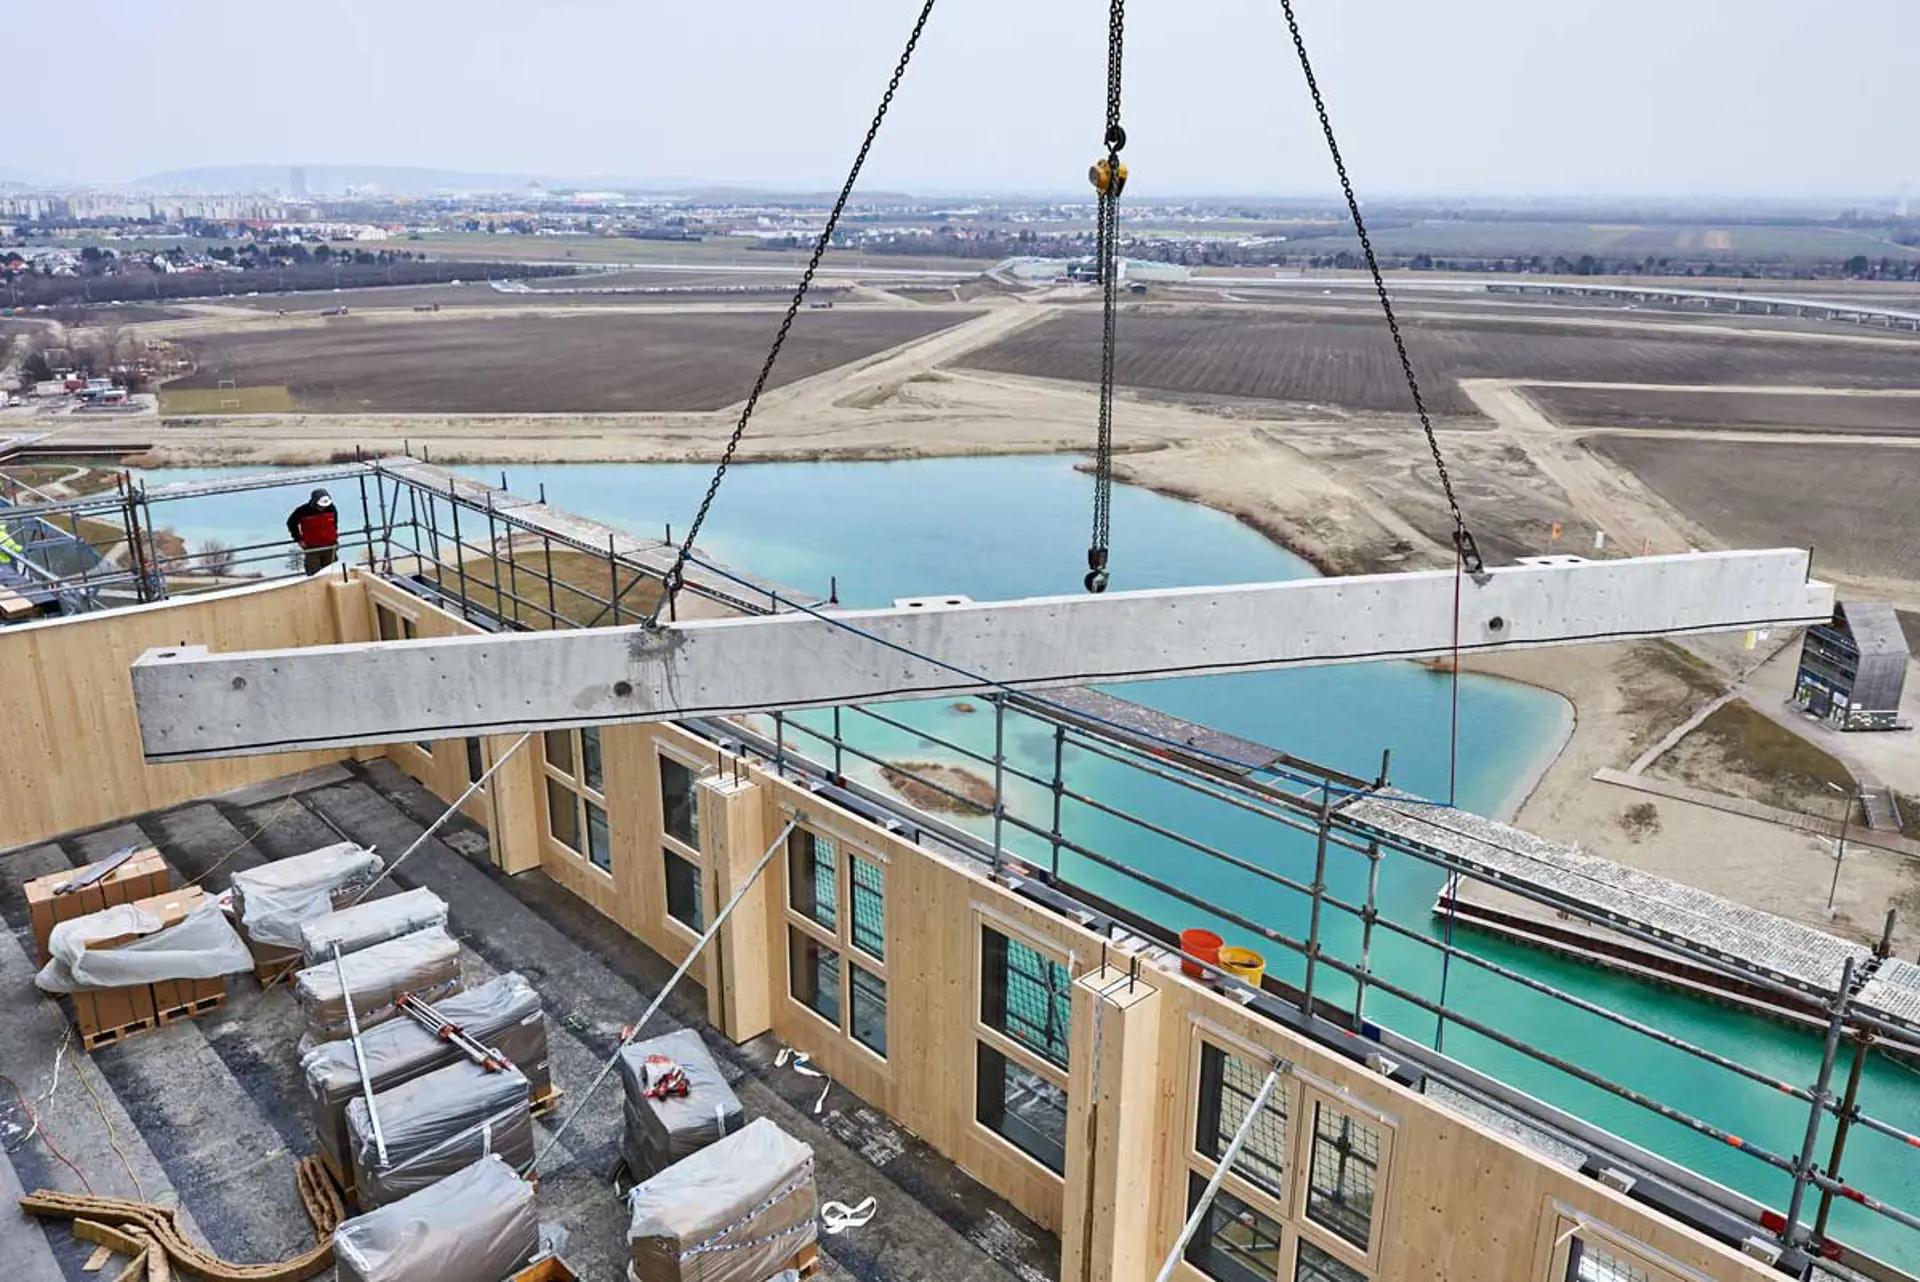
<point>996,528</point>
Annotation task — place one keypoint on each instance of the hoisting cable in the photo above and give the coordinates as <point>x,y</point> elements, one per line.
<point>1462,537</point>
<point>675,575</point>
<point>1109,178</point>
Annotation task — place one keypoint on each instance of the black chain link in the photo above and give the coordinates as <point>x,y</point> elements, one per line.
<point>1463,537</point>
<point>675,575</point>
<point>1107,254</point>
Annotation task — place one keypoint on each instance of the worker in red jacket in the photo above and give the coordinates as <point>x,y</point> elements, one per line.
<point>315,526</point>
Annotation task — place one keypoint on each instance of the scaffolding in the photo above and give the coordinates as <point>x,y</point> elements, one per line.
<point>506,562</point>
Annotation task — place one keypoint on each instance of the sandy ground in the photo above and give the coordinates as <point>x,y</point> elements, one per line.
<point>1351,493</point>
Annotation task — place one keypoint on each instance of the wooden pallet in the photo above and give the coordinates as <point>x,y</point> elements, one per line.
<point>806,1261</point>
<point>108,1036</point>
<point>548,1268</point>
<point>341,1180</point>
<point>546,1101</point>
<point>174,1014</point>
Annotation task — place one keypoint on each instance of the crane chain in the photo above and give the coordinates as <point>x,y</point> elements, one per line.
<point>1463,538</point>
<point>1107,254</point>
<point>675,576</point>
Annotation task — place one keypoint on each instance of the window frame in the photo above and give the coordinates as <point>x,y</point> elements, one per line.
<point>698,770</point>
<point>985,1047</point>
<point>1562,1225</point>
<point>573,783</point>
<point>1006,1047</point>
<point>1315,1096</point>
<point>839,936</point>
<point>1288,1090</point>
<point>672,847</point>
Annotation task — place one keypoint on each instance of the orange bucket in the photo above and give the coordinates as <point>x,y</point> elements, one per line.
<point>1202,943</point>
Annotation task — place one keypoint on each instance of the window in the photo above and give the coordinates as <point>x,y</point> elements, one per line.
<point>869,895</point>
<point>559,745</point>
<point>1025,996</point>
<point>407,629</point>
<point>1315,1265</point>
<point>679,803</point>
<point>599,847</point>
<point>590,758</point>
<point>1342,1175</point>
<point>814,972</point>
<point>476,761</point>
<point>1022,1107</point>
<point>1587,1262</point>
<point>684,901</point>
<point>562,820</point>
<point>812,877</point>
<point>869,1023</point>
<point>1228,1087</point>
<point>387,623</point>
<point>1234,1242</point>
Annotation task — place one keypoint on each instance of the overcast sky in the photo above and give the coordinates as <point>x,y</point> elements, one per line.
<point>1501,97</point>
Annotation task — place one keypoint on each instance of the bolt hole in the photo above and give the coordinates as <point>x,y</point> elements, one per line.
<point>623,688</point>
<point>1496,624</point>
<point>239,683</point>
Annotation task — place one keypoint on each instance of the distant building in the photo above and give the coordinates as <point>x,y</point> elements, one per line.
<point>1853,669</point>
<point>296,182</point>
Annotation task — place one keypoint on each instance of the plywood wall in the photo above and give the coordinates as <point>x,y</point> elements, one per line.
<point>72,743</point>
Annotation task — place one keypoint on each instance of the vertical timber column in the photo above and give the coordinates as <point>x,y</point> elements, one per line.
<point>1105,1231</point>
<point>352,622</point>
<point>516,804</point>
<point>738,967</point>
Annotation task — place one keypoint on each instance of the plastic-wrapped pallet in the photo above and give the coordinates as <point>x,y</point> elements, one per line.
<point>659,1132</point>
<point>736,1211</point>
<point>130,944</point>
<point>273,900</point>
<point>436,1125</point>
<point>476,1225</point>
<point>502,1014</point>
<point>372,922</point>
<point>425,963</point>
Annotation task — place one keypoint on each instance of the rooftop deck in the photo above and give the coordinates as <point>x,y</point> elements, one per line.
<point>211,1112</point>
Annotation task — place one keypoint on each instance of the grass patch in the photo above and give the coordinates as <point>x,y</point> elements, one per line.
<point>227,400</point>
<point>1741,751</point>
<point>582,582</point>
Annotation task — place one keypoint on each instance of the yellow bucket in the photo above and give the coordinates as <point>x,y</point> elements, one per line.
<point>1244,964</point>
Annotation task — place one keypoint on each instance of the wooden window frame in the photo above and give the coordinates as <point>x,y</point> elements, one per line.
<point>838,937</point>
<point>1561,1224</point>
<point>1289,1087</point>
<point>575,785</point>
<point>1314,1096</point>
<point>1039,1065</point>
<point>672,845</point>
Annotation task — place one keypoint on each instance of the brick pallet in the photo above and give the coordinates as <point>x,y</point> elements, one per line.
<point>140,877</point>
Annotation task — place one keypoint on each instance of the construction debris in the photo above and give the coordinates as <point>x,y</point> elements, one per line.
<point>372,922</point>
<point>739,1210</point>
<point>425,963</point>
<point>436,1125</point>
<point>663,1128</point>
<point>476,1223</point>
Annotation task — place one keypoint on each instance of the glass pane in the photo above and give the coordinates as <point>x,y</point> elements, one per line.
<point>812,878</point>
<point>388,623</point>
<point>1590,1263</point>
<point>1340,1183</point>
<point>476,761</point>
<point>590,758</point>
<point>563,821</point>
<point>407,630</point>
<point>684,903</point>
<point>559,745</point>
<point>869,1010</point>
<point>1228,1087</point>
<point>1025,995</point>
<point>869,890</point>
<point>1315,1265</point>
<point>814,972</point>
<point>1234,1242</point>
<point>1022,1107</point>
<point>599,847</point>
<point>679,805</point>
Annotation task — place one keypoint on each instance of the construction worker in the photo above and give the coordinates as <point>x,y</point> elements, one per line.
<point>315,526</point>
<point>9,547</point>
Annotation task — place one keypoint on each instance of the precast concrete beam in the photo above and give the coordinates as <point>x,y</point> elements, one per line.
<point>193,703</point>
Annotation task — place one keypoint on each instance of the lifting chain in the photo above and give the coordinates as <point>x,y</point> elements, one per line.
<point>1109,178</point>
<point>1463,540</point>
<point>675,577</point>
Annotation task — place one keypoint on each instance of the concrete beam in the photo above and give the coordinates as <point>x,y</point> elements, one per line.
<point>193,703</point>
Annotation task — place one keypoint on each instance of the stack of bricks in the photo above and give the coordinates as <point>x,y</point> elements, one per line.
<point>142,875</point>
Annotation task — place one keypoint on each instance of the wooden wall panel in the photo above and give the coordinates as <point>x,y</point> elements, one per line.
<point>72,743</point>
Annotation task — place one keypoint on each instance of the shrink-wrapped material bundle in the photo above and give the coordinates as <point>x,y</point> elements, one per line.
<point>143,944</point>
<point>659,1132</point>
<point>436,1125</point>
<point>273,900</point>
<point>373,921</point>
<point>736,1211</point>
<point>502,1014</point>
<point>476,1225</point>
<point>425,963</point>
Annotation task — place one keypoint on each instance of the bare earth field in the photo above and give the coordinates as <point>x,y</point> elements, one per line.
<point>1349,361</point>
<point>1858,506</point>
<point>1672,407</point>
<point>548,364</point>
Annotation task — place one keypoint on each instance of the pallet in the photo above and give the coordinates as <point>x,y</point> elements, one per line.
<point>205,1005</point>
<point>546,1101</point>
<point>548,1268</point>
<point>806,1261</point>
<point>340,1180</point>
<point>108,1036</point>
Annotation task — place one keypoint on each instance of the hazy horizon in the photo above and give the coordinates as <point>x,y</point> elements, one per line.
<point>1730,100</point>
